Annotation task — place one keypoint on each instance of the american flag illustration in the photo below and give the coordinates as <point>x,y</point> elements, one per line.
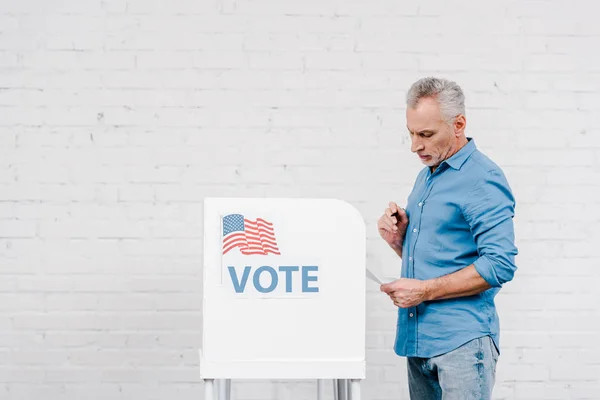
<point>252,237</point>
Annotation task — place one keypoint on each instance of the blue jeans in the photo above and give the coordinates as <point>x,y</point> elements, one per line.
<point>466,373</point>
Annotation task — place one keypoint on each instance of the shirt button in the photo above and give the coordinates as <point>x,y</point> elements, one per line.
<point>414,230</point>
<point>410,315</point>
<point>409,258</point>
<point>420,204</point>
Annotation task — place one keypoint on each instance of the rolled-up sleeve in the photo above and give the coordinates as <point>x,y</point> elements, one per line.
<point>489,210</point>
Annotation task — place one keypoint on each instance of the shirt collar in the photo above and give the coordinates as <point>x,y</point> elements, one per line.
<point>458,159</point>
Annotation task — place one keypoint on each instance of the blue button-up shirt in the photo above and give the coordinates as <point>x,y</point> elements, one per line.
<point>461,214</point>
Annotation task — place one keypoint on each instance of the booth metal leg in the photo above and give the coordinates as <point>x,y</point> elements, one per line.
<point>209,392</point>
<point>221,389</point>
<point>354,389</point>
<point>342,389</point>
<point>228,389</point>
<point>336,396</point>
<point>346,389</point>
<point>320,389</point>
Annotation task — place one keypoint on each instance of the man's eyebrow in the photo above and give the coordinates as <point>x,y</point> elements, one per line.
<point>423,131</point>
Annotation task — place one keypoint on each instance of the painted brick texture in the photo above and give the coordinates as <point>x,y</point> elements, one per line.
<point>119,117</point>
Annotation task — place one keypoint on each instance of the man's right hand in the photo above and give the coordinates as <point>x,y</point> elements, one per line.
<point>393,229</point>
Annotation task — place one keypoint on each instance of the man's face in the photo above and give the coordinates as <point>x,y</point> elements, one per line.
<point>432,139</point>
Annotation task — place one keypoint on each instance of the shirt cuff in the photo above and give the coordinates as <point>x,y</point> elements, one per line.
<point>485,268</point>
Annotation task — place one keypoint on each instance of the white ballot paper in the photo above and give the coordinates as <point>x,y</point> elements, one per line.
<point>371,275</point>
<point>375,278</point>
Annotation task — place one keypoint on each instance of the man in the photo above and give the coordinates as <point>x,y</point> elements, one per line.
<point>456,241</point>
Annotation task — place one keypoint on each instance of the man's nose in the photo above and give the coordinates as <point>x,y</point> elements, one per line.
<point>415,144</point>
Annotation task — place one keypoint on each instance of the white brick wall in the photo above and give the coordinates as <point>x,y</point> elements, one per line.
<point>117,117</point>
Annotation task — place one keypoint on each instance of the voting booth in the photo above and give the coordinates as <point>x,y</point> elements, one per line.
<point>283,292</point>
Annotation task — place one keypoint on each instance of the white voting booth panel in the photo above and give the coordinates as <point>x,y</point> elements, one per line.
<point>283,289</point>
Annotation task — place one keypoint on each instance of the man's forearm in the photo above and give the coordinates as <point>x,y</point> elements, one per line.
<point>465,282</point>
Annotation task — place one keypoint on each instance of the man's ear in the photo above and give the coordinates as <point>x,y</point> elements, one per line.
<point>460,123</point>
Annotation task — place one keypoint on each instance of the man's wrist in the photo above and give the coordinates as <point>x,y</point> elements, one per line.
<point>397,248</point>
<point>430,288</point>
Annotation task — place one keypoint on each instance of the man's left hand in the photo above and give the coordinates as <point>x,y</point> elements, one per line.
<point>405,292</point>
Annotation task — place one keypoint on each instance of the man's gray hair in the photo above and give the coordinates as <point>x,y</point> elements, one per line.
<point>448,94</point>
